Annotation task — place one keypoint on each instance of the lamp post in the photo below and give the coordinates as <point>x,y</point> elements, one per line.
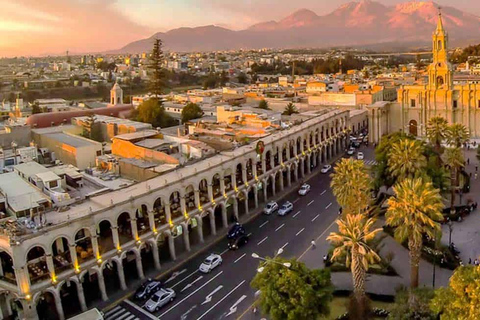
<point>450,229</point>
<point>268,260</point>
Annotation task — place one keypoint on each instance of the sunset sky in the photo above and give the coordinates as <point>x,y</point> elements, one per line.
<point>39,27</point>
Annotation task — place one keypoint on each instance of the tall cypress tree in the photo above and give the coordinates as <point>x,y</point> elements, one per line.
<point>157,73</point>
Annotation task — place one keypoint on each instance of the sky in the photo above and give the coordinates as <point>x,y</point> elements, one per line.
<point>41,27</point>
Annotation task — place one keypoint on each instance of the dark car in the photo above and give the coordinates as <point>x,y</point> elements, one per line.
<point>234,244</point>
<point>235,231</point>
<point>147,289</point>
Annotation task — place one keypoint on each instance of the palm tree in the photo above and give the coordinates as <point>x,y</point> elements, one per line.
<point>457,134</point>
<point>406,159</point>
<point>437,132</point>
<point>414,212</point>
<point>352,240</point>
<point>453,158</point>
<point>351,185</point>
<point>290,109</point>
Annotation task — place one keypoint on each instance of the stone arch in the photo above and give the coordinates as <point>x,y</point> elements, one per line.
<point>142,220</point>
<point>105,236</point>
<point>47,303</point>
<point>218,212</point>
<point>113,275</point>
<point>175,204</point>
<point>124,228</point>
<point>61,257</point>
<point>239,174</point>
<point>231,207</point>
<point>37,264</point>
<point>207,229</point>
<point>203,187</point>
<point>227,178</point>
<point>276,157</point>
<point>413,127</point>
<point>68,293</point>
<point>440,81</point>
<point>7,272</point>
<point>84,245</point>
<point>216,185</point>
<point>190,198</point>
<point>159,214</point>
<point>89,280</point>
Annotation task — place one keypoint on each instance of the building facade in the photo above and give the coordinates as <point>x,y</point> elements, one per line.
<point>95,248</point>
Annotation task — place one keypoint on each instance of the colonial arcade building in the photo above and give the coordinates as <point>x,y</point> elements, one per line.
<point>81,256</point>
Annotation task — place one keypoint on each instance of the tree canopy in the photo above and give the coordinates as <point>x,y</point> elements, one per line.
<point>191,111</point>
<point>290,109</point>
<point>158,76</point>
<point>263,105</point>
<point>403,309</point>
<point>461,299</point>
<point>295,293</point>
<point>152,111</point>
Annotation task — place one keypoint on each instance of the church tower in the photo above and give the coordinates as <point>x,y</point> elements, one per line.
<point>116,95</point>
<point>440,71</point>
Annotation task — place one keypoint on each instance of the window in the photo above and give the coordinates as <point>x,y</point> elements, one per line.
<point>455,104</point>
<point>53,184</point>
<point>412,103</point>
<point>479,103</point>
<point>99,153</point>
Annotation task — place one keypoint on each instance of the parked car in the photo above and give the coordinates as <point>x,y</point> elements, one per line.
<point>286,208</point>
<point>304,189</point>
<point>236,243</point>
<point>236,230</point>
<point>159,299</point>
<point>210,263</point>
<point>351,151</point>
<point>148,288</point>
<point>326,168</point>
<point>360,156</point>
<point>270,208</point>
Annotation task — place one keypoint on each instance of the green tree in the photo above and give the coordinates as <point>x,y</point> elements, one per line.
<point>211,81</point>
<point>295,293</point>
<point>191,111</point>
<point>461,299</point>
<point>224,78</point>
<point>242,78</point>
<point>158,78</point>
<point>420,309</point>
<point>290,109</point>
<point>437,132</point>
<point>152,111</point>
<point>453,158</point>
<point>406,159</point>
<point>457,134</point>
<point>353,240</point>
<point>263,105</point>
<point>414,211</point>
<point>351,185</point>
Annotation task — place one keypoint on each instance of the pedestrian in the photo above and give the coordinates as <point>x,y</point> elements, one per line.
<point>325,258</point>
<point>469,260</point>
<point>476,167</point>
<point>314,245</point>
<point>475,262</point>
<point>468,160</point>
<point>476,176</point>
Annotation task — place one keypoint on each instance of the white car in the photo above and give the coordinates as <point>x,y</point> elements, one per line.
<point>360,156</point>
<point>304,189</point>
<point>159,299</point>
<point>326,168</point>
<point>270,208</point>
<point>210,263</point>
<point>351,151</point>
<point>286,208</point>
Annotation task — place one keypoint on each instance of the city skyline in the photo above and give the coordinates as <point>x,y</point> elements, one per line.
<point>53,26</point>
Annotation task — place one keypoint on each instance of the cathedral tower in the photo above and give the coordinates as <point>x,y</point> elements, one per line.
<point>440,71</point>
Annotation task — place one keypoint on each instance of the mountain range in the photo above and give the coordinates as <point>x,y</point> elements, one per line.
<point>352,24</point>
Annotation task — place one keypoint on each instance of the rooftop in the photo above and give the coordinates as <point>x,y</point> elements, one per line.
<point>20,194</point>
<point>71,140</point>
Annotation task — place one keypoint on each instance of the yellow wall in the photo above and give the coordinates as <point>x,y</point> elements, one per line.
<point>127,149</point>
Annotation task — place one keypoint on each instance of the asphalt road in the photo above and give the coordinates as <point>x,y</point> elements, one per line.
<point>225,293</point>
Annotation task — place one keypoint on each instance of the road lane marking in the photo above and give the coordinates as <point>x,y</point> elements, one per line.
<point>283,247</point>
<point>296,214</point>
<point>208,298</point>
<point>310,203</point>
<point>279,227</point>
<point>112,311</point>
<point>243,255</point>
<point>323,192</point>
<point>328,205</point>
<point>315,217</point>
<point>148,314</point>
<point>191,274</point>
<point>184,316</point>
<point>233,308</point>
<point>321,235</point>
<point>224,251</point>
<point>192,283</point>
<point>262,241</point>
<point>175,275</point>
<point>300,231</point>
<point>191,294</point>
<point>263,224</point>
<point>295,201</point>
<point>249,235</point>
<point>220,301</point>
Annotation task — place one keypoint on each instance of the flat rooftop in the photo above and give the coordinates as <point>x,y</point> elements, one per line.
<point>71,140</point>
<point>20,194</point>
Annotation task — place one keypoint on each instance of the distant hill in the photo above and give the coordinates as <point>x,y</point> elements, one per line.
<point>353,24</point>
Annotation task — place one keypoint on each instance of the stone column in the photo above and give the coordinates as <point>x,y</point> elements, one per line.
<point>254,170</point>
<point>81,296</point>
<point>138,262</point>
<point>224,215</point>
<point>133,224</point>
<point>264,165</point>
<point>73,254</point>
<point>50,265</point>
<point>183,204</point>
<point>210,192</point>
<point>121,274</point>
<point>244,175</point>
<point>58,306</point>
<point>96,252</point>
<point>168,212</point>
<point>101,285</point>
<point>151,220</point>
<point>200,229</point>
<point>273,185</point>
<point>186,239</point>
<point>222,186</point>
<point>309,161</point>
<point>116,239</point>
<point>281,180</point>
<point>234,181</point>
<point>171,247</point>
<point>265,194</point>
<point>295,172</point>
<point>289,176</point>
<point>212,223</point>
<point>156,256</point>
<point>246,203</point>
<point>197,198</point>
<point>29,310</point>
<point>255,194</point>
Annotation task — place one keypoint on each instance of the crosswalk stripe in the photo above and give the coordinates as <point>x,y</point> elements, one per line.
<point>112,311</point>
<point>117,313</point>
<point>124,316</point>
<point>131,317</point>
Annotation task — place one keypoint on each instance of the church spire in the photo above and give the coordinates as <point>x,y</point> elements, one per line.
<point>440,29</point>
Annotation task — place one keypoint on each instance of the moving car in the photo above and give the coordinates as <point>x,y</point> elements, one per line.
<point>360,156</point>
<point>270,208</point>
<point>351,151</point>
<point>210,263</point>
<point>326,168</point>
<point>234,244</point>
<point>304,189</point>
<point>236,230</point>
<point>147,289</point>
<point>286,208</point>
<point>159,299</point>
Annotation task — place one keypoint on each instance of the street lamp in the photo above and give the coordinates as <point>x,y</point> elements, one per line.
<point>267,260</point>
<point>450,229</point>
